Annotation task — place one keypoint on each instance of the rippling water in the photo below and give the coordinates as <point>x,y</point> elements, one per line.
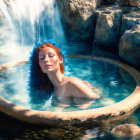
<point>107,77</point>
<point>114,83</point>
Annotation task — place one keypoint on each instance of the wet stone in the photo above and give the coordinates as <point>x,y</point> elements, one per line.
<point>126,131</point>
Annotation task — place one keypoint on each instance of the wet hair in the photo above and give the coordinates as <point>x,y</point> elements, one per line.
<point>39,81</point>
<point>57,51</point>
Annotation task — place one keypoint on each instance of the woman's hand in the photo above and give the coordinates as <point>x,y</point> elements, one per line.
<point>91,87</point>
<point>83,89</point>
<point>88,84</point>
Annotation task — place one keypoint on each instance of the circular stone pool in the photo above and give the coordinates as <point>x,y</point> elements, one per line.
<point>119,85</point>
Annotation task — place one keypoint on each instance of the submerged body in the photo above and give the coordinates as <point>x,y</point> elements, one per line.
<point>75,87</point>
<point>47,65</point>
<point>74,90</point>
<point>64,87</point>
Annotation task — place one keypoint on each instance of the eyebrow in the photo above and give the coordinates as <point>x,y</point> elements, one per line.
<point>48,53</point>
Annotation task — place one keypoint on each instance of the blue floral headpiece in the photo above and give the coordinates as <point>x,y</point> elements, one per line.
<point>39,43</point>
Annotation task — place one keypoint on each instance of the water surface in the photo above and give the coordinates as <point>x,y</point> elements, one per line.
<point>114,83</point>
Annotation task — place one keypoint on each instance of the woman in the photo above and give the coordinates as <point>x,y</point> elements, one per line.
<point>47,67</point>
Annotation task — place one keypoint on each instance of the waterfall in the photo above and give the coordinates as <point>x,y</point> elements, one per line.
<point>23,23</point>
<point>32,20</point>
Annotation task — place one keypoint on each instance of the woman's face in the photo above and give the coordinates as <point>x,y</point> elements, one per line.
<point>49,60</point>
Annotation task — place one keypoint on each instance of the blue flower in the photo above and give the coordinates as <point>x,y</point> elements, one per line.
<point>38,43</point>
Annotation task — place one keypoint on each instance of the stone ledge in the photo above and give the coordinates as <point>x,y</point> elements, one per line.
<point>76,117</point>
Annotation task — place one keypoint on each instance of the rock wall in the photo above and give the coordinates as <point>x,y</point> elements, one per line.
<point>105,22</point>
<point>135,3</point>
<point>130,2</point>
<point>108,26</point>
<point>129,47</point>
<point>129,20</point>
<point>79,18</point>
<point>102,21</point>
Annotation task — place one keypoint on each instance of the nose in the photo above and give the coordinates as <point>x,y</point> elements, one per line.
<point>46,59</point>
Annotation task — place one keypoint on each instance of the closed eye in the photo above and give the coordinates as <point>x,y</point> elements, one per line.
<point>51,55</point>
<point>42,58</point>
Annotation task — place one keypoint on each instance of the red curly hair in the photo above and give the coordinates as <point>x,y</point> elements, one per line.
<point>45,82</point>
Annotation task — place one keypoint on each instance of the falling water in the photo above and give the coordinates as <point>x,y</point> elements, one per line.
<point>25,22</point>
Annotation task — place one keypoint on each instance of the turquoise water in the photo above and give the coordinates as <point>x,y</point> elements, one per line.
<point>13,82</point>
<point>113,82</point>
<point>105,76</point>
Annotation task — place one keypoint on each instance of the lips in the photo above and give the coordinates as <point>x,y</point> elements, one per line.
<point>47,65</point>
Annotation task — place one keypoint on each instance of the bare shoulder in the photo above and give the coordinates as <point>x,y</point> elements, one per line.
<point>77,83</point>
<point>74,80</point>
<point>80,89</point>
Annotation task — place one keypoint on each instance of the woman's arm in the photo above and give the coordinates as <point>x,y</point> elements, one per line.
<point>80,89</point>
<point>91,87</point>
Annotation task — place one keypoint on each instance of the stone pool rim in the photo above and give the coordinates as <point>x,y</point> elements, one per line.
<point>56,118</point>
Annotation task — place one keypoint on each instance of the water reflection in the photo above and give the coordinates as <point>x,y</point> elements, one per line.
<point>112,81</point>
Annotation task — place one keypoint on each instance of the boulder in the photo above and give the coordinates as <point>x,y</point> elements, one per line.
<point>135,3</point>
<point>126,131</point>
<point>129,46</point>
<point>107,31</point>
<point>129,20</point>
<point>128,9</point>
<point>78,18</point>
